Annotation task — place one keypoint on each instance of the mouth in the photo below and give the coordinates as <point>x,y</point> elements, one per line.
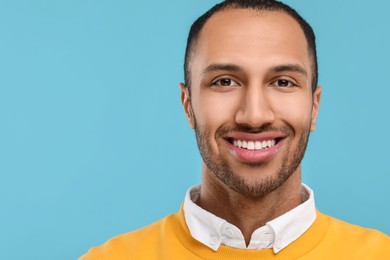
<point>254,145</point>
<point>249,147</point>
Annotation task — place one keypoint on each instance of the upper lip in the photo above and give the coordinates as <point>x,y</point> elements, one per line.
<point>264,136</point>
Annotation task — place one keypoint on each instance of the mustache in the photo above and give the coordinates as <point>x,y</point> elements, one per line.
<point>223,130</point>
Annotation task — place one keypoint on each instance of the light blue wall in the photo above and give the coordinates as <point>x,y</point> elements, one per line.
<point>93,140</point>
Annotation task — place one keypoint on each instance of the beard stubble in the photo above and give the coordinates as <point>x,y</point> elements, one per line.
<point>220,167</point>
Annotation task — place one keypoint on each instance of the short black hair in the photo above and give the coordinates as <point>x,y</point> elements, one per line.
<point>257,5</point>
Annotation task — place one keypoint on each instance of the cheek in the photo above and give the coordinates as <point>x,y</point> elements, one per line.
<point>294,109</point>
<point>215,109</point>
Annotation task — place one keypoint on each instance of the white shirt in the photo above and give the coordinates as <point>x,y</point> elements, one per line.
<point>278,233</point>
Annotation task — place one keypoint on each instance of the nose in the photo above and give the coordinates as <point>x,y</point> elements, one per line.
<point>256,108</point>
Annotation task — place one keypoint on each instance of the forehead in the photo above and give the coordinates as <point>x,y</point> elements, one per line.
<point>251,37</point>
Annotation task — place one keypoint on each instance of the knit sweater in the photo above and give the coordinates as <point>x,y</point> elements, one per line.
<point>170,239</point>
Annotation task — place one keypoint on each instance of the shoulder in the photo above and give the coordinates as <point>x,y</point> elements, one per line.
<point>124,246</point>
<point>357,238</point>
<point>347,229</point>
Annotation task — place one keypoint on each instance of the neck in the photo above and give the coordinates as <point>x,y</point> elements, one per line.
<point>248,213</point>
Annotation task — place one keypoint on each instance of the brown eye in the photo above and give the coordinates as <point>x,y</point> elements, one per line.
<point>225,82</point>
<point>283,83</point>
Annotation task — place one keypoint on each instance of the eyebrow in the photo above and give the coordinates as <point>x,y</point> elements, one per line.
<point>222,67</point>
<point>235,68</point>
<point>288,68</point>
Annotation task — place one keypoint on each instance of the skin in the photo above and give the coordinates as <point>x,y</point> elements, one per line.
<point>251,73</point>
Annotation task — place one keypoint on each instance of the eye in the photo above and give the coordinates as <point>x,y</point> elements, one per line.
<point>224,82</point>
<point>284,83</point>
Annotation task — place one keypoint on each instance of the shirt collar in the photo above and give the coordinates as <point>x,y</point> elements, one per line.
<point>277,234</point>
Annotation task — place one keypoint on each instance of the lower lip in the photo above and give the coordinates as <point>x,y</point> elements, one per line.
<point>253,156</point>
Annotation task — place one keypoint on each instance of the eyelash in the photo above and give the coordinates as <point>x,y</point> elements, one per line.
<point>232,82</point>
<point>290,83</point>
<point>218,82</point>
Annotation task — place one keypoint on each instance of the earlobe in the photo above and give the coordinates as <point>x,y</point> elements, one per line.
<point>316,106</point>
<point>185,100</point>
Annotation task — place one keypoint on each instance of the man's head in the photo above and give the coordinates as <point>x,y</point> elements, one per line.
<point>255,5</point>
<point>252,101</point>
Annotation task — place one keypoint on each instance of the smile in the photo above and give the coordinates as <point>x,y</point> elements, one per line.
<point>254,145</point>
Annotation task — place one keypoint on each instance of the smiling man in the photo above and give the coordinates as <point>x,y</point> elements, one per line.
<point>251,95</point>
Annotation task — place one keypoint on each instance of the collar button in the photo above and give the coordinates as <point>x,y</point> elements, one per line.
<point>213,240</point>
<point>230,232</point>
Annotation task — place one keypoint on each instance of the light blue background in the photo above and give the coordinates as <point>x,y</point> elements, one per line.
<point>93,140</point>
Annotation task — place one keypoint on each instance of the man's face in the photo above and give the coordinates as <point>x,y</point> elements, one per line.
<point>251,102</point>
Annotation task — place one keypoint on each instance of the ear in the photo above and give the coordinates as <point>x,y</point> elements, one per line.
<point>316,106</point>
<point>185,100</point>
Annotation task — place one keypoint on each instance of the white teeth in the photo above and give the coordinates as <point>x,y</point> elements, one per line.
<point>254,145</point>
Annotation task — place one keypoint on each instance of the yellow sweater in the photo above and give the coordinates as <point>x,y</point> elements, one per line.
<point>169,238</point>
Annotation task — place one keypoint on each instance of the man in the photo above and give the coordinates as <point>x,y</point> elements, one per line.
<point>251,96</point>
